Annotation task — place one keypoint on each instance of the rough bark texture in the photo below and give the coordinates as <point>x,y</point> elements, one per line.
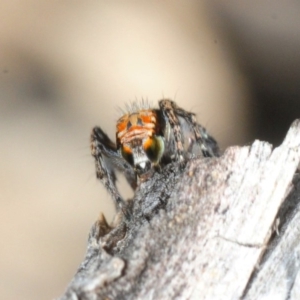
<point>223,228</point>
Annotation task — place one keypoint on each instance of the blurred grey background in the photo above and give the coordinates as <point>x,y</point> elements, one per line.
<point>66,65</point>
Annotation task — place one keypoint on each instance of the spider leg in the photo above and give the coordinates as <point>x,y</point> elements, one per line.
<point>167,108</point>
<point>209,146</point>
<point>107,160</point>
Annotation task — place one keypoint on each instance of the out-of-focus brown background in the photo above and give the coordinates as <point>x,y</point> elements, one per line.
<point>65,67</point>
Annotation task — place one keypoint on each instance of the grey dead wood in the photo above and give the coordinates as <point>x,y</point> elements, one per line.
<point>223,228</point>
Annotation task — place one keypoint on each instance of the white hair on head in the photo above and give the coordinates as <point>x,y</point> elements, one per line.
<point>135,106</point>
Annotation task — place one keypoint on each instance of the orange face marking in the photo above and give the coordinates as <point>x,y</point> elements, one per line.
<point>148,143</point>
<point>122,123</point>
<point>138,125</point>
<point>146,119</point>
<point>127,149</point>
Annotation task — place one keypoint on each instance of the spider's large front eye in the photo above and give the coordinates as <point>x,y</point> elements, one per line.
<point>154,148</point>
<point>127,154</point>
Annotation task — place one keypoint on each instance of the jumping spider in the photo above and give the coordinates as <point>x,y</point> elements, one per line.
<point>147,139</point>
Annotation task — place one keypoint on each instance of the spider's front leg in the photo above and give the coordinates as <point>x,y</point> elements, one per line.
<point>108,160</point>
<point>208,144</point>
<point>167,108</point>
<point>187,132</point>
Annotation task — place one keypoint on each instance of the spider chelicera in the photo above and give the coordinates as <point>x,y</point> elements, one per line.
<point>147,139</point>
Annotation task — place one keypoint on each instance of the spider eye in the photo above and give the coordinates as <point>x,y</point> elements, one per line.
<point>127,154</point>
<point>154,148</point>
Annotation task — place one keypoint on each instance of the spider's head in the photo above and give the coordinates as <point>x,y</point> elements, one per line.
<point>139,142</point>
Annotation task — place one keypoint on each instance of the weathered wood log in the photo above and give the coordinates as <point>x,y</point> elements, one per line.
<point>224,228</point>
